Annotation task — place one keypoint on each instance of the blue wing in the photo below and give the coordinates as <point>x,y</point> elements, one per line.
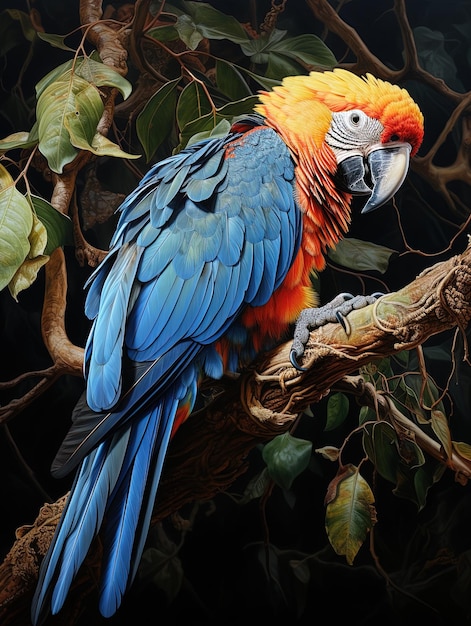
<point>207,232</point>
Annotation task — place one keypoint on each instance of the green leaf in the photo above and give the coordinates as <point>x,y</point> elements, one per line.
<point>337,410</point>
<point>102,75</point>
<point>256,487</point>
<point>381,445</point>
<point>23,19</point>
<point>210,121</point>
<point>264,81</point>
<point>100,145</point>
<point>163,567</point>
<point>414,484</point>
<point>95,73</point>
<point>230,81</point>
<point>6,181</point>
<point>307,49</point>
<point>70,94</point>
<point>156,119</point>
<point>205,21</point>
<point>279,66</point>
<point>20,139</point>
<point>258,49</point>
<point>56,41</point>
<point>240,107</point>
<point>10,33</point>
<point>221,129</point>
<point>193,103</point>
<point>163,33</point>
<point>350,512</point>
<point>361,255</point>
<point>188,32</point>
<point>435,58</point>
<point>196,129</point>
<point>403,358</point>
<point>366,415</point>
<point>286,457</point>
<point>421,396</point>
<point>16,220</point>
<point>55,74</point>
<point>58,226</point>
<point>27,273</point>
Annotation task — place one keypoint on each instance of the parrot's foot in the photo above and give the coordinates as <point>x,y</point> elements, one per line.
<point>334,311</point>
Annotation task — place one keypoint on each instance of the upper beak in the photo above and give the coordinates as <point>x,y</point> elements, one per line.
<point>385,171</point>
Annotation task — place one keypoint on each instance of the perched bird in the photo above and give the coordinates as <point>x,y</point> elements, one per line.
<point>211,262</point>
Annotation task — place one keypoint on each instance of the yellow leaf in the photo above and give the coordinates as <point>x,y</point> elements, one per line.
<point>350,512</point>
<point>16,219</point>
<point>331,453</point>
<point>102,146</point>
<point>27,273</point>
<point>5,179</point>
<point>37,238</point>
<point>442,430</point>
<point>463,449</point>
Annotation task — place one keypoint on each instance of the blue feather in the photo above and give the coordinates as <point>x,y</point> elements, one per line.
<point>200,189</point>
<point>104,369</point>
<point>165,193</point>
<point>207,232</point>
<point>123,512</point>
<point>79,523</point>
<point>256,277</point>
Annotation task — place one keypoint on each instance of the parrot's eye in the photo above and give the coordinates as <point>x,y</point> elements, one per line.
<point>355,118</point>
<point>353,130</point>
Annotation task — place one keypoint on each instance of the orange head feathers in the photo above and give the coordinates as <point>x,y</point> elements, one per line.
<point>301,106</point>
<point>348,135</point>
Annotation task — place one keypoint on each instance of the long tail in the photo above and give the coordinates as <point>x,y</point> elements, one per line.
<point>116,482</point>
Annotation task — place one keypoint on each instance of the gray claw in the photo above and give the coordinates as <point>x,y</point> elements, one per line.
<point>335,311</point>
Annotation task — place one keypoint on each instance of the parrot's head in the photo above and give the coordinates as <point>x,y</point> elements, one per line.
<point>356,133</point>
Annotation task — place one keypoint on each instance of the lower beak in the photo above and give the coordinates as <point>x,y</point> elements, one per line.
<point>379,176</point>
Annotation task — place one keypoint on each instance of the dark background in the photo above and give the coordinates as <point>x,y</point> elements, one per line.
<point>426,554</point>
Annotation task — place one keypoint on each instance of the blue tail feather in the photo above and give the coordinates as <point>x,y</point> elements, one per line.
<point>124,512</point>
<point>79,524</point>
<point>115,486</point>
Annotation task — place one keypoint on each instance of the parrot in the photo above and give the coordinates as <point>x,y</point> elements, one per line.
<point>211,262</point>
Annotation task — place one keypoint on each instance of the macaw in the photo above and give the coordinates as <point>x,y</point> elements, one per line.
<point>211,262</point>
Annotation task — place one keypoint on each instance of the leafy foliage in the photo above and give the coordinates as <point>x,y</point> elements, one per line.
<point>200,68</point>
<point>349,512</point>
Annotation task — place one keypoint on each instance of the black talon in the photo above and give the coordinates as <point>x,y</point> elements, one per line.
<point>341,320</point>
<point>293,358</point>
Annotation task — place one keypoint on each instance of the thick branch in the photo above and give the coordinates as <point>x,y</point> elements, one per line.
<point>210,450</point>
<point>103,36</point>
<point>368,62</point>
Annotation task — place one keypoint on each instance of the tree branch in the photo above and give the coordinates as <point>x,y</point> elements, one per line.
<point>210,449</point>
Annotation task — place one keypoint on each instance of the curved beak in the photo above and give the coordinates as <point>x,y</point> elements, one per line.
<point>380,175</point>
